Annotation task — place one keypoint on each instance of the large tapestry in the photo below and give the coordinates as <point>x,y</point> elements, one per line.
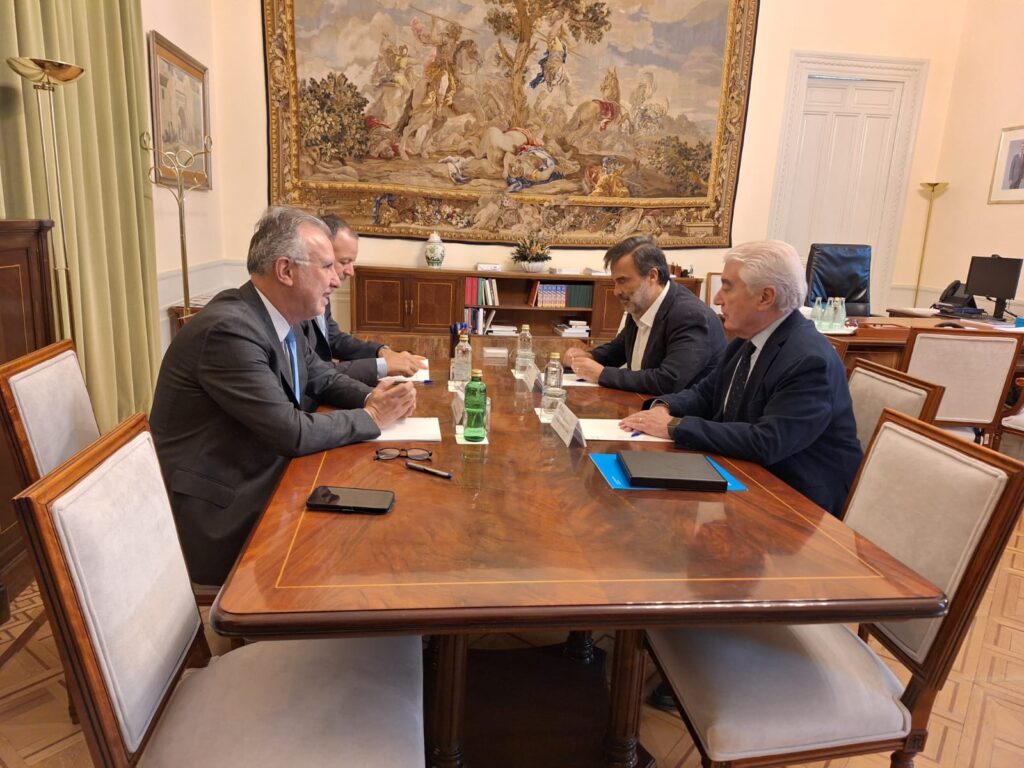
<point>580,121</point>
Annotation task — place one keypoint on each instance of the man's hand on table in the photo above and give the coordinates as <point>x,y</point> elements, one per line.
<point>587,368</point>
<point>652,422</point>
<point>401,363</point>
<point>391,401</point>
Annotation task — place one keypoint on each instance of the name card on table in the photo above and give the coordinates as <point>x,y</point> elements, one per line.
<point>532,377</point>
<point>567,426</point>
<point>458,407</point>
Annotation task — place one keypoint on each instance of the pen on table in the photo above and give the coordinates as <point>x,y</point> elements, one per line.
<point>428,470</point>
<point>636,434</point>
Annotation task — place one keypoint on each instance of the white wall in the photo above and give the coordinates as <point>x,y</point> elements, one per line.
<point>972,91</point>
<point>987,95</point>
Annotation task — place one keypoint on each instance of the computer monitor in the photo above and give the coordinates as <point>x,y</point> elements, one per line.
<point>995,278</point>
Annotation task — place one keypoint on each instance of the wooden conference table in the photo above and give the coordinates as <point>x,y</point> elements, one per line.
<point>528,535</point>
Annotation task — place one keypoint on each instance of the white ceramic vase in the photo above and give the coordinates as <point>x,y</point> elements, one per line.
<point>434,251</point>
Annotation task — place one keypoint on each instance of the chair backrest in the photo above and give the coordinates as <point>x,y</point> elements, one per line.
<point>712,285</point>
<point>107,556</point>
<point>840,270</point>
<point>946,508</point>
<point>875,387</point>
<point>975,367</point>
<point>46,409</point>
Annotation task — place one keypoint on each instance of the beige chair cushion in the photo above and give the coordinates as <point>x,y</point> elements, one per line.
<point>298,703</point>
<point>55,408</point>
<point>770,689</point>
<point>1015,422</point>
<point>926,505</point>
<point>872,392</point>
<point>118,537</point>
<point>970,366</point>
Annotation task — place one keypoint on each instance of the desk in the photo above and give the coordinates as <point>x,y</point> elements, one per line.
<point>529,535</point>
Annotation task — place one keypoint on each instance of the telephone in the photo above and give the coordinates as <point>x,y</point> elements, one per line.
<point>955,295</point>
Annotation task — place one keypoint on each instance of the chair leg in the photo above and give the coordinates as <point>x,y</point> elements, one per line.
<point>902,759</point>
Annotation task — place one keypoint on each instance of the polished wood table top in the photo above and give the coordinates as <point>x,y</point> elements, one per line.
<point>529,534</point>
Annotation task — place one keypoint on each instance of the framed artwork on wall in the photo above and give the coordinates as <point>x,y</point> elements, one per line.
<point>579,121</point>
<point>1008,175</point>
<point>180,95</point>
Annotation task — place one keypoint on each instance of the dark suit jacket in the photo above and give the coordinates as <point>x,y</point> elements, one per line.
<point>225,424</point>
<point>795,419</point>
<point>354,357</point>
<point>686,342</point>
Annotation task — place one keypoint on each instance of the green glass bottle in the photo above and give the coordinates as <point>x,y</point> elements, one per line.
<point>476,408</point>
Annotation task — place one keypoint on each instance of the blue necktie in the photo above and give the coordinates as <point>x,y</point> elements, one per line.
<point>294,355</point>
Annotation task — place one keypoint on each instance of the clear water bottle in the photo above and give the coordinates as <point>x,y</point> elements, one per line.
<point>553,393</point>
<point>553,371</point>
<point>525,341</point>
<point>462,363</point>
<point>828,319</point>
<point>840,312</point>
<point>476,408</point>
<point>816,313</point>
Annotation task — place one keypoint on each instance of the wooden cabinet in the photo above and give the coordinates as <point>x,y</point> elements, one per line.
<point>26,324</point>
<point>414,308</point>
<point>413,301</point>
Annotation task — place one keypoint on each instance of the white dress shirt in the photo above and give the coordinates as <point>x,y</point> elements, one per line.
<point>643,331</point>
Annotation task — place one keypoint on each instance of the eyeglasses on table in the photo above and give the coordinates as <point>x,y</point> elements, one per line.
<point>416,454</point>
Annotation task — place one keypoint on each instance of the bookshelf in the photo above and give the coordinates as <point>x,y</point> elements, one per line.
<point>426,302</point>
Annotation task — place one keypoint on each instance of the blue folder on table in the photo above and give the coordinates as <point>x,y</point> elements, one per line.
<point>612,470</point>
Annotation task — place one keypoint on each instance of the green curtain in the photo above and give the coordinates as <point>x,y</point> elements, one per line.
<point>108,210</point>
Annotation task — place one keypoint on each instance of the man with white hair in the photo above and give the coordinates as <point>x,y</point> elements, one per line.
<point>779,395</point>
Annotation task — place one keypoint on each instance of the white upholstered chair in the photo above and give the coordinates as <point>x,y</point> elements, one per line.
<point>107,555</point>
<point>46,409</point>
<point>874,387</point>
<point>770,695</point>
<point>975,367</point>
<point>712,284</point>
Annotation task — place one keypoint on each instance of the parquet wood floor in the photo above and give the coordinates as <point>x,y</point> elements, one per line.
<point>978,721</point>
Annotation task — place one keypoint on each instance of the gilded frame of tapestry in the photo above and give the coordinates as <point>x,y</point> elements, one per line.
<point>431,133</point>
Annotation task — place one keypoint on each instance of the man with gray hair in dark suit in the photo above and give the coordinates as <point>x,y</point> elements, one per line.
<point>239,389</point>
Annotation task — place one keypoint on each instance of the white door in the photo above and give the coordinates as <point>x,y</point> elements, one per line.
<point>844,156</point>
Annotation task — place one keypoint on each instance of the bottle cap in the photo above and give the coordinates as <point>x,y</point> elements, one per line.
<point>463,337</point>
<point>555,355</point>
<point>478,373</point>
<point>525,327</point>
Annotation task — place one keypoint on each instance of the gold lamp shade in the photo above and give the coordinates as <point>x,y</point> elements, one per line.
<point>45,71</point>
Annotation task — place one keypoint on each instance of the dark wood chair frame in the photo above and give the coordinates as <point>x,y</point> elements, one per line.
<point>99,721</point>
<point>25,462</point>
<point>989,429</point>
<point>928,676</point>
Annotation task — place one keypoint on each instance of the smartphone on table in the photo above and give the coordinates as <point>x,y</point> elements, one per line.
<point>353,501</point>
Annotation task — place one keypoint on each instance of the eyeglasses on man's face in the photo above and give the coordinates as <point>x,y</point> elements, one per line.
<point>416,454</point>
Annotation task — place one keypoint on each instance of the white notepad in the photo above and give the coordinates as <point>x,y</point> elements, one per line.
<point>609,429</point>
<point>412,428</point>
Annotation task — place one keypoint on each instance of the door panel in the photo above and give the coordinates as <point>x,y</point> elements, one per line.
<point>381,303</point>
<point>435,304</point>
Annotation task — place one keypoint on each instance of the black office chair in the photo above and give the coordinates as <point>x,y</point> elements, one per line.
<point>840,270</point>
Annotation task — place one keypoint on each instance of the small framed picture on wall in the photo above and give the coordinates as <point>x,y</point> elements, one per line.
<point>1008,176</point>
<point>179,89</point>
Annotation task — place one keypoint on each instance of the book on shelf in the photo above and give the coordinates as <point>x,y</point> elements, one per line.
<point>483,266</point>
<point>579,323</point>
<point>573,331</point>
<point>592,271</point>
<point>489,320</point>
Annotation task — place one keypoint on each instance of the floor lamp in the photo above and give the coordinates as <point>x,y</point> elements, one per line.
<point>932,189</point>
<point>45,75</point>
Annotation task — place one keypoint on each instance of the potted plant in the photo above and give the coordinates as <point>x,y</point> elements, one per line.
<point>531,252</point>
